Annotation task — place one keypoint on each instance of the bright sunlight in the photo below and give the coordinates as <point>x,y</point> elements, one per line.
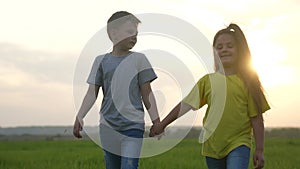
<point>268,60</point>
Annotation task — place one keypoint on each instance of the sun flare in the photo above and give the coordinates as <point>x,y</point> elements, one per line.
<point>267,60</point>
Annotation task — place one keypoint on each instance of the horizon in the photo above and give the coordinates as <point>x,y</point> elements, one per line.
<point>146,127</point>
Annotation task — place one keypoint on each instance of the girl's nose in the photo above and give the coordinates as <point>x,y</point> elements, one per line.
<point>224,50</point>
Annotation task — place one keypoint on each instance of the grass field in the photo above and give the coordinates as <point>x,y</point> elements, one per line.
<point>280,153</point>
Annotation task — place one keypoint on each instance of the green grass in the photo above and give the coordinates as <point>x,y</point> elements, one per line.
<point>280,153</point>
<point>50,155</point>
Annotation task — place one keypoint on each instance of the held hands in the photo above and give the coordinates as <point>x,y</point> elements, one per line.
<point>78,124</point>
<point>157,129</point>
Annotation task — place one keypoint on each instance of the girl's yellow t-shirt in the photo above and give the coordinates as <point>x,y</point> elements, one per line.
<point>226,124</point>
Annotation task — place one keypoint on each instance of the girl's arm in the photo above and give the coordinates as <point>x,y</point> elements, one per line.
<point>150,102</point>
<point>180,109</point>
<point>88,102</point>
<point>258,129</point>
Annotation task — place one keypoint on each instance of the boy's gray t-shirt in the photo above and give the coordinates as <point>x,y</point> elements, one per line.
<point>120,79</point>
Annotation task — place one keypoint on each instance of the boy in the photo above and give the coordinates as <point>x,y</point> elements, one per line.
<point>125,78</point>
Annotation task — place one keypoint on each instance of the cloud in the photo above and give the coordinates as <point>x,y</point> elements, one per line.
<point>42,66</point>
<point>35,86</point>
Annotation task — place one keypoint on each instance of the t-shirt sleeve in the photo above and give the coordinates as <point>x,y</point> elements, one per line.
<point>95,76</point>
<point>196,97</point>
<point>252,107</point>
<point>145,71</point>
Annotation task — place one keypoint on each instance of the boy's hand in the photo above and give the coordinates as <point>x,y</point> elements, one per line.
<point>78,124</point>
<point>156,129</point>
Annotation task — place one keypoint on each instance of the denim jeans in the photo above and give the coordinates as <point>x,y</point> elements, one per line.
<point>121,148</point>
<point>236,159</point>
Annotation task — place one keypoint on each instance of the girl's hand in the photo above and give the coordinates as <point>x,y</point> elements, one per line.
<point>258,159</point>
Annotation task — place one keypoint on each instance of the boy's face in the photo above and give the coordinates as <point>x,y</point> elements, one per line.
<point>125,36</point>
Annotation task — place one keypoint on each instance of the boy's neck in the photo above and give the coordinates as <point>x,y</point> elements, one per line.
<point>119,52</point>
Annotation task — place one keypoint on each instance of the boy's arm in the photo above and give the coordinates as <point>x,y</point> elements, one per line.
<point>150,102</point>
<point>179,110</point>
<point>258,129</point>
<point>87,103</point>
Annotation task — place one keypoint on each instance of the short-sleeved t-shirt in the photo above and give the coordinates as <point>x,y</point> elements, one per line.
<point>121,78</point>
<point>226,122</point>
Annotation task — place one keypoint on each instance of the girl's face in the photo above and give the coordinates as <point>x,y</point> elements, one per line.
<point>225,47</point>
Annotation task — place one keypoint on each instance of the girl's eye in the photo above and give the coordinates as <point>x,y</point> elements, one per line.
<point>219,47</point>
<point>230,45</point>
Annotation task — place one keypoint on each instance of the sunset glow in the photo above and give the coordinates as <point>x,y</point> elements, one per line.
<point>269,61</point>
<point>41,42</point>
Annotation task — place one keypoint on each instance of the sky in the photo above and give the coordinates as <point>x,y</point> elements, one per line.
<point>41,43</point>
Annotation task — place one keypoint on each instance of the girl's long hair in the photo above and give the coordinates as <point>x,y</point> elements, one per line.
<point>244,64</point>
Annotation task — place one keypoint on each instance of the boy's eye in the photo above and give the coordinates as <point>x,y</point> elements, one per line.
<point>132,32</point>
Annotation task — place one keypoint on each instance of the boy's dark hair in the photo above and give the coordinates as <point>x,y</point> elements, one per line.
<point>121,17</point>
<point>120,14</point>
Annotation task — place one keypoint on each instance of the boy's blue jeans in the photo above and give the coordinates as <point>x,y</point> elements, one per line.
<point>121,149</point>
<point>236,159</point>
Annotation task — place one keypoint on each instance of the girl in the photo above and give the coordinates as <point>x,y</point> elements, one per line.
<point>235,103</point>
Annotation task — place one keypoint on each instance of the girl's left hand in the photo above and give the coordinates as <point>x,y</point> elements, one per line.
<point>258,159</point>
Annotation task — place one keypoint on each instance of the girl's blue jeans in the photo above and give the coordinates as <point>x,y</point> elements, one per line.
<point>122,148</point>
<point>236,159</point>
